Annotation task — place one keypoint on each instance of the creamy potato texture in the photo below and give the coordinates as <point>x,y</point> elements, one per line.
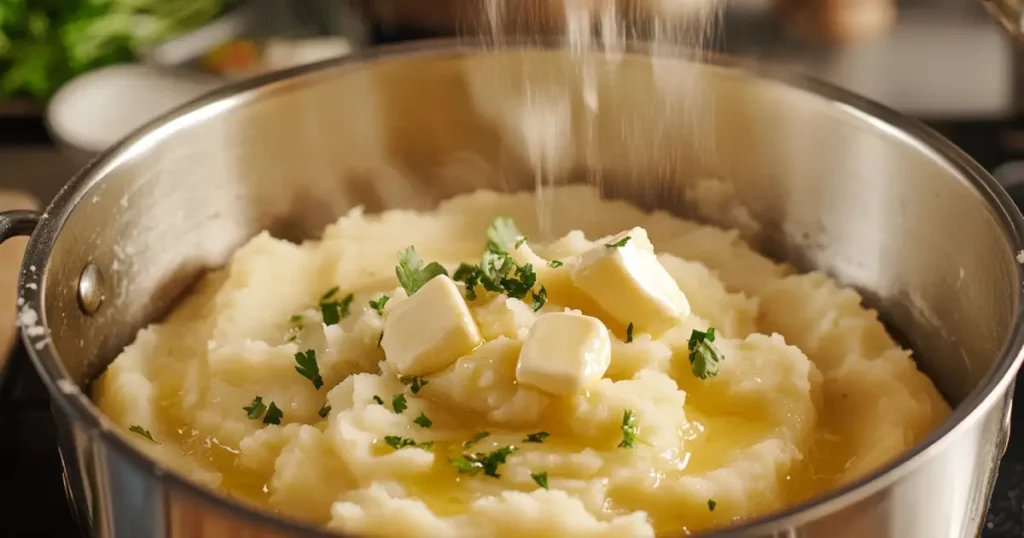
<point>271,382</point>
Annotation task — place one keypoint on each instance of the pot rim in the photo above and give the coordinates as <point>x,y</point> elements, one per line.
<point>76,404</point>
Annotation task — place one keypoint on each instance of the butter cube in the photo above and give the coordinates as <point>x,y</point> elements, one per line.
<point>430,330</point>
<point>629,283</point>
<point>564,353</point>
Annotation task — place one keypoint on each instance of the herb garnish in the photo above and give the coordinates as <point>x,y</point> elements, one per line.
<point>274,415</point>
<point>629,429</point>
<point>378,400</point>
<point>378,305</point>
<point>308,368</point>
<point>256,408</point>
<point>554,264</point>
<point>712,504</point>
<point>504,234</point>
<point>487,462</point>
<point>142,431</point>
<point>620,243</point>
<point>704,355</point>
<point>522,241</point>
<point>332,309</point>
<point>475,439</point>
<point>498,272</point>
<point>416,382</point>
<point>629,333</point>
<point>324,410</point>
<point>411,272</point>
<point>397,442</point>
<point>296,327</point>
<point>541,479</point>
<point>538,437</point>
<point>423,422</point>
<point>398,403</point>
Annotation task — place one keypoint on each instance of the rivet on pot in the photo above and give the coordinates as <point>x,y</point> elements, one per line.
<point>90,290</point>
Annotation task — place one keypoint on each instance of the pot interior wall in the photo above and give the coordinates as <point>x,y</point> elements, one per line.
<point>828,186</point>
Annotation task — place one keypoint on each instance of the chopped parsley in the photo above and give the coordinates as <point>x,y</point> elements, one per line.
<point>378,305</point>
<point>497,272</point>
<point>324,410</point>
<point>142,431</point>
<point>539,298</point>
<point>332,309</point>
<point>712,504</point>
<point>416,383</point>
<point>554,264</point>
<point>487,462</point>
<point>475,439</point>
<point>308,368</point>
<point>398,403</point>
<point>538,437</point>
<point>504,234</point>
<point>397,442</point>
<point>296,327</point>
<point>411,272</point>
<point>629,333</point>
<point>629,429</point>
<point>704,355</point>
<point>541,479</point>
<point>274,415</point>
<point>620,243</point>
<point>522,241</point>
<point>423,422</point>
<point>256,408</point>
<point>378,400</point>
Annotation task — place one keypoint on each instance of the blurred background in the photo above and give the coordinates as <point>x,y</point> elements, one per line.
<point>77,75</point>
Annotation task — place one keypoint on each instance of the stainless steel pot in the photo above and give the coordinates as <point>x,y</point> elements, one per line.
<point>835,182</point>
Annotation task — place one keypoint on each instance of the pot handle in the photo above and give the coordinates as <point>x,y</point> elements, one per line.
<point>17,222</point>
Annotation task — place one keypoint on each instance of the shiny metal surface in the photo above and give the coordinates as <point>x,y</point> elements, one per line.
<point>835,182</point>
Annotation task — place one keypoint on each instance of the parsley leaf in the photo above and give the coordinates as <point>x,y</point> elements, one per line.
<point>620,243</point>
<point>539,298</point>
<point>397,442</point>
<point>416,382</point>
<point>487,462</point>
<point>704,355</point>
<point>142,431</point>
<point>522,241</point>
<point>504,234</point>
<point>541,479</point>
<point>378,305</point>
<point>296,322</point>
<point>274,415</point>
<point>554,264</point>
<point>538,437</point>
<point>423,422</point>
<point>308,368</point>
<point>712,504</point>
<point>411,272</point>
<point>378,400</point>
<point>256,408</point>
<point>333,310</point>
<point>324,410</point>
<point>475,439</point>
<point>629,429</point>
<point>629,333</point>
<point>398,402</point>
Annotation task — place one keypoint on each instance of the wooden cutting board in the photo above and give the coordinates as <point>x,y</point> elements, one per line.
<point>11,253</point>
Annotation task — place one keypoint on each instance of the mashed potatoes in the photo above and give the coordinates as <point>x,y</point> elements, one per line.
<point>271,382</point>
